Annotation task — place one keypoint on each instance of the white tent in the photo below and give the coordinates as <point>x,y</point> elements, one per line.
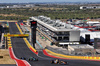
<point>92,35</point>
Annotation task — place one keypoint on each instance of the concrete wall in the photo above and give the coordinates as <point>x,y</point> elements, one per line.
<point>74,36</point>
<point>83,51</point>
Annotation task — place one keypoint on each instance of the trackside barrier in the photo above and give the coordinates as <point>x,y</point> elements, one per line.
<point>18,61</point>
<point>74,57</point>
<point>26,41</point>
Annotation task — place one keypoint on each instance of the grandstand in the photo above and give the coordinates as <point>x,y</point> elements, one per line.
<point>56,31</point>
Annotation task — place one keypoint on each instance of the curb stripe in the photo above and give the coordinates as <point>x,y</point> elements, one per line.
<point>19,62</point>
<point>26,41</point>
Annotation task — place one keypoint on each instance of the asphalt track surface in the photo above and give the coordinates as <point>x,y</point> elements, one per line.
<point>21,50</point>
<point>8,65</point>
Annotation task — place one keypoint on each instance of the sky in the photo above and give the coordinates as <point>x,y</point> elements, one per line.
<point>28,1</point>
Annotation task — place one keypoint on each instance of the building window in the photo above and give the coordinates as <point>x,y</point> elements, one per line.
<point>59,38</point>
<point>66,32</point>
<point>60,32</point>
<point>66,38</point>
<point>55,38</point>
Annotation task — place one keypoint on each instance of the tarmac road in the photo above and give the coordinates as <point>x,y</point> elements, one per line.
<point>21,50</point>
<point>8,65</point>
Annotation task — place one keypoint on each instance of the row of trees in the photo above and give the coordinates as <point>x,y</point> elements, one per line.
<point>12,18</point>
<point>65,13</point>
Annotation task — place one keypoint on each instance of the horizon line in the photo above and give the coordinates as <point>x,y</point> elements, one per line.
<point>52,2</point>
